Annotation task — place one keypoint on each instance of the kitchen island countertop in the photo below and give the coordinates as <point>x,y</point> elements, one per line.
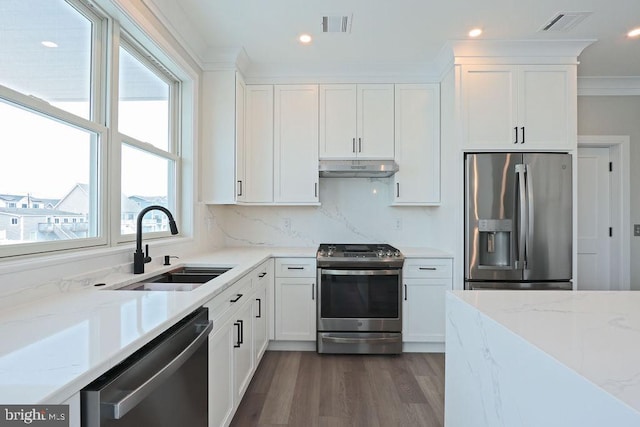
<point>543,358</point>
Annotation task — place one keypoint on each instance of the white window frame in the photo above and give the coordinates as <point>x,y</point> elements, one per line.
<point>107,19</point>
<point>173,153</point>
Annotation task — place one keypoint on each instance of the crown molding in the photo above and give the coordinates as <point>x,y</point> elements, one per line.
<point>517,51</point>
<point>609,86</point>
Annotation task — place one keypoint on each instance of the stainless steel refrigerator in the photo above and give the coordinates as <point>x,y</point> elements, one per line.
<point>518,221</point>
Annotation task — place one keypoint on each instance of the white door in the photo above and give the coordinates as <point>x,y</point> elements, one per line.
<point>593,219</point>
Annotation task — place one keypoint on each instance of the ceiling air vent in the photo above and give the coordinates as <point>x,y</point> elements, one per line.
<point>564,21</point>
<point>336,24</point>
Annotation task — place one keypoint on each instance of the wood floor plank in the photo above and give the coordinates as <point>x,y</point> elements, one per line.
<point>277,405</point>
<point>304,389</point>
<point>305,408</point>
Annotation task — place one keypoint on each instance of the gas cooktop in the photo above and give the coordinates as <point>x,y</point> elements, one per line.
<point>359,255</point>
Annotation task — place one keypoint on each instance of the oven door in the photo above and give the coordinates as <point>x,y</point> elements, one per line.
<point>359,300</point>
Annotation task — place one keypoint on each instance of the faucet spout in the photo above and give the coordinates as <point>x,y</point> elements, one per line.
<point>141,258</point>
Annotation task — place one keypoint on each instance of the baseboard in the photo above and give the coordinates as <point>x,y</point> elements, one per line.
<point>292,346</point>
<point>423,347</point>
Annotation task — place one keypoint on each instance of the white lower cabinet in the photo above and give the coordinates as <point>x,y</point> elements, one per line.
<point>425,283</point>
<point>295,302</point>
<point>260,323</point>
<point>243,362</point>
<point>221,402</point>
<point>238,340</point>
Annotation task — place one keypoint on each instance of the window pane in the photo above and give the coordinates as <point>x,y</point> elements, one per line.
<point>143,108</point>
<point>145,182</point>
<point>60,74</point>
<point>48,174</point>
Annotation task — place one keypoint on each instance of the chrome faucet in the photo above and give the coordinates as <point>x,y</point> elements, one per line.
<point>141,258</point>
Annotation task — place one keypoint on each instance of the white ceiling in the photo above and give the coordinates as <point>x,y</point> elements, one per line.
<point>393,35</point>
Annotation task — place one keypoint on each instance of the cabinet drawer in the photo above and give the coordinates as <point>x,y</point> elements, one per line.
<point>235,295</point>
<point>295,267</point>
<point>427,268</point>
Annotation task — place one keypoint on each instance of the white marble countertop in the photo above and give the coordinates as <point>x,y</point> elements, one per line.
<point>596,334</point>
<point>55,345</point>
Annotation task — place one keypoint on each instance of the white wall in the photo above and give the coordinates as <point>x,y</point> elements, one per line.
<point>618,115</point>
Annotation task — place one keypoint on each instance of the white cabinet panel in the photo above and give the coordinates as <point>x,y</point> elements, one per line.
<point>425,283</point>
<point>295,309</point>
<point>260,324</point>
<point>337,121</point>
<point>221,389</point>
<point>242,350</point>
<point>296,144</point>
<point>357,121</point>
<point>519,106</point>
<point>258,148</point>
<point>417,144</point>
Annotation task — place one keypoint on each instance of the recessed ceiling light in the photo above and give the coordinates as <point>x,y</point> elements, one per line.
<point>634,33</point>
<point>475,32</point>
<point>305,38</point>
<point>48,43</point>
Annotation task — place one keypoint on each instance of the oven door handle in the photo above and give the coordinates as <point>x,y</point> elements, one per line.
<point>360,272</point>
<point>343,340</point>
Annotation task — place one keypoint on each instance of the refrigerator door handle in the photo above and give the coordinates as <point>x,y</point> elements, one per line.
<point>522,217</point>
<point>529,186</point>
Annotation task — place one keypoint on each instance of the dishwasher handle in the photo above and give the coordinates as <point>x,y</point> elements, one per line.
<point>117,410</point>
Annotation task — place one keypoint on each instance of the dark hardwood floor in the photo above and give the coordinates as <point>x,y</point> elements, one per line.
<point>308,389</point>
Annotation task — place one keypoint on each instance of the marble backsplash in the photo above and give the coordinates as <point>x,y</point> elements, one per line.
<point>352,210</point>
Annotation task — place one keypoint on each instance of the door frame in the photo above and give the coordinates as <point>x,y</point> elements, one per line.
<point>619,265</point>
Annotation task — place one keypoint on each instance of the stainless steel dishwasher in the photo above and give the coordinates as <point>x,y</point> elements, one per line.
<point>164,384</point>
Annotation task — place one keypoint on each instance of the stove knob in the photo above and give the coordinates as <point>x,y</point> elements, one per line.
<point>388,253</point>
<point>380,253</point>
<point>322,253</point>
<point>396,254</point>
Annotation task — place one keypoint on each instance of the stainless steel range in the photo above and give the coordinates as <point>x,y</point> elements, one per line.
<point>359,299</point>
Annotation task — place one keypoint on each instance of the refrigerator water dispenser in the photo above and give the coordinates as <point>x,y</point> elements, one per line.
<point>495,243</point>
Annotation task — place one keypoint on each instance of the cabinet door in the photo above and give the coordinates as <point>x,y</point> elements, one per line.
<point>222,109</point>
<point>240,140</point>
<point>489,106</point>
<point>260,324</point>
<point>337,121</point>
<point>423,310</point>
<point>417,144</point>
<point>221,389</point>
<point>296,144</point>
<point>242,350</point>
<point>547,106</point>
<point>295,309</point>
<point>375,121</point>
<point>258,156</point>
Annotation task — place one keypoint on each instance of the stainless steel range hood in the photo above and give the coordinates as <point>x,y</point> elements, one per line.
<point>357,168</point>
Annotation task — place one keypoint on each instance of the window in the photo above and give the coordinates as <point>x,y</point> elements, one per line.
<point>148,153</point>
<point>54,104</point>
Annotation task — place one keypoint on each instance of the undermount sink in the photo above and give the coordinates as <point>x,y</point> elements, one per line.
<point>181,279</point>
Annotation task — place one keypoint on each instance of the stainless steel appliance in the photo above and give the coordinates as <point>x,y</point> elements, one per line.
<point>162,384</point>
<point>518,221</point>
<point>359,301</point>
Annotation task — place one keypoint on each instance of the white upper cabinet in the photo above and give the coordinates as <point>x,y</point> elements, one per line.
<point>357,121</point>
<point>257,186</point>
<point>296,144</point>
<point>417,144</point>
<point>519,106</point>
<point>222,132</point>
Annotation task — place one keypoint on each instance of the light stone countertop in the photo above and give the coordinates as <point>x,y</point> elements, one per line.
<point>596,334</point>
<point>55,345</point>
